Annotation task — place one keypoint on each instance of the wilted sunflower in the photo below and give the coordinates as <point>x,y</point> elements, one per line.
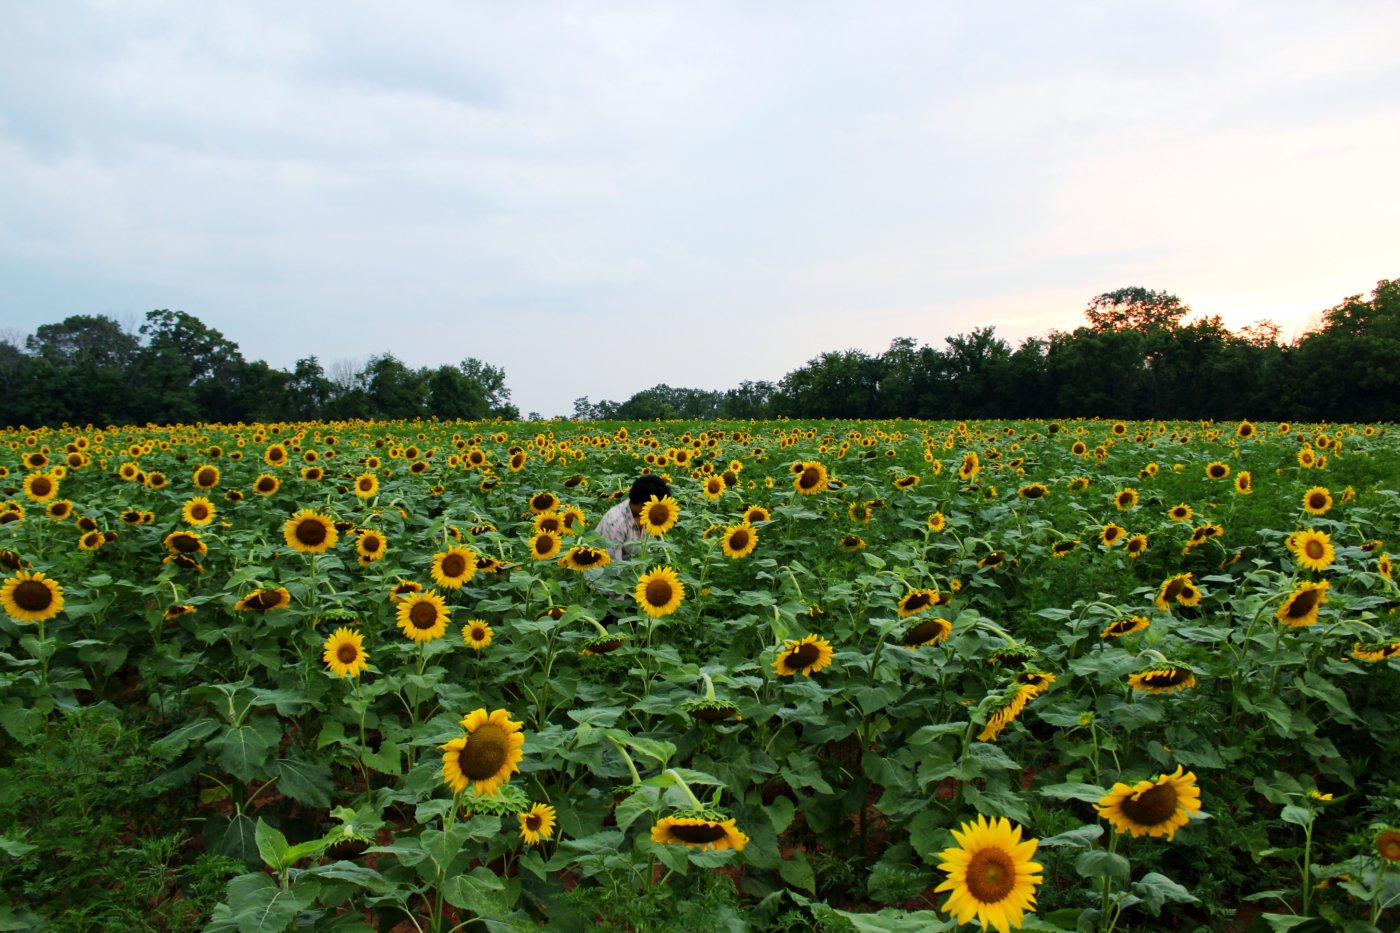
<point>1126,498</point>
<point>739,541</point>
<point>477,634</point>
<point>366,485</point>
<point>487,755</point>
<point>1376,651</point>
<point>699,830</point>
<point>264,600</point>
<point>1111,534</point>
<point>266,484</point>
<point>659,592</point>
<point>1217,469</point>
<point>804,656</point>
<point>659,516</point>
<point>1163,678</point>
<point>1181,513</point>
<point>537,823</point>
<point>344,653</point>
<point>198,511</point>
<point>310,532</point>
<point>454,567</point>
<point>545,544</point>
<point>1123,627</point>
<point>755,514</point>
<point>29,596</point>
<point>423,616</point>
<point>810,477</point>
<point>370,545</point>
<point>1033,491</point>
<point>926,632</point>
<point>916,601</point>
<point>1313,549</point>
<point>1301,607</point>
<point>581,557</point>
<point>1179,589</point>
<point>1152,808</point>
<point>991,877</point>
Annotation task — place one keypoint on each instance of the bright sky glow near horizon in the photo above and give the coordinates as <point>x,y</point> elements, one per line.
<point>600,197</point>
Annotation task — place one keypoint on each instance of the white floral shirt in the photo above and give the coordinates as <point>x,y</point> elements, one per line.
<point>619,528</point>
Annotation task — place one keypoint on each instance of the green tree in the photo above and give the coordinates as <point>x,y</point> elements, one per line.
<point>1139,309</point>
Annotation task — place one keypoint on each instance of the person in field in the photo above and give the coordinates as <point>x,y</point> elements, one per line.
<point>621,525</point>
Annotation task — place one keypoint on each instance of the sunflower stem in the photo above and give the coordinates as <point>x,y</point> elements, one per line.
<point>709,686</point>
<point>632,768</point>
<point>684,788</point>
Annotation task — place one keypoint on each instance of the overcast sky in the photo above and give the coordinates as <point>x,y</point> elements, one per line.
<point>599,197</point>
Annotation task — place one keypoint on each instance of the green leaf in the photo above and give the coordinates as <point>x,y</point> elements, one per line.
<point>896,921</point>
<point>1096,863</point>
<point>796,871</point>
<point>1089,793</point>
<point>780,813</point>
<point>388,760</point>
<point>260,906</point>
<point>232,836</point>
<point>479,891</point>
<point>272,845</point>
<point>1298,816</point>
<point>243,749</point>
<point>1157,889</point>
<point>1079,838</point>
<point>304,782</point>
<point>14,848</point>
<point>633,806</point>
<point>176,742</point>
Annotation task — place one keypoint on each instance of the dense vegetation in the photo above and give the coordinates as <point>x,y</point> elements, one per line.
<point>330,675</point>
<point>1134,358</point>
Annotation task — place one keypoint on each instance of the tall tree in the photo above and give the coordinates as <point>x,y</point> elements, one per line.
<point>1136,308</point>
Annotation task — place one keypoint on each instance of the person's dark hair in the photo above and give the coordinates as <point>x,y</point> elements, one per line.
<point>646,486</point>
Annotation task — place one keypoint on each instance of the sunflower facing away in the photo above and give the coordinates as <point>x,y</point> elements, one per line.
<point>926,632</point>
<point>423,616</point>
<point>991,877</point>
<point>477,634</point>
<point>537,823</point>
<point>487,755</point>
<point>344,653</point>
<point>264,600</point>
<point>804,656</point>
<point>31,597</point>
<point>1123,627</point>
<point>1301,607</point>
<point>659,516</point>
<point>1164,678</point>
<point>310,532</point>
<point>454,567</point>
<point>699,831</point>
<point>1152,808</point>
<point>659,592</point>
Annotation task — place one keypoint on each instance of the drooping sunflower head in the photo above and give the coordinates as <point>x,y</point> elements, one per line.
<point>310,532</point>
<point>994,559</point>
<point>1033,491</point>
<point>739,541</point>
<point>1301,607</point>
<point>29,596</point>
<point>926,632</point>
<point>703,830</point>
<point>581,557</point>
<point>1175,589</point>
<point>1124,627</point>
<point>991,875</point>
<point>264,600</point>
<point>1062,548</point>
<point>1152,808</point>
<point>1163,678</point>
<point>805,656</point>
<point>185,542</point>
<point>486,756</point>
<point>423,616</point>
<point>344,653</point>
<point>916,601</point>
<point>659,592</point>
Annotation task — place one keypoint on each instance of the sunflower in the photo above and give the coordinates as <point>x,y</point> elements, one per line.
<point>1062,548</point>
<point>1314,550</point>
<point>926,632</point>
<point>810,477</point>
<point>175,611</point>
<point>991,877</point>
<point>403,589</point>
<point>1301,607</point>
<point>454,567</point>
<point>185,542</point>
<point>1005,714</point>
<point>1180,589</point>
<point>266,484</point>
<point>206,477</point>
<point>1123,627</point>
<point>537,823</point>
<point>916,601</point>
<point>1217,469</point>
<point>1181,513</point>
<point>699,831</point>
<point>581,557</point>
<point>552,522</point>
<point>1376,651</point>
<point>487,755</point>
<point>907,482</point>
<point>477,634</point>
<point>1163,678</point>
<point>713,487</point>
<point>310,532</point>
<point>423,616</point>
<point>994,559</point>
<point>1126,498</point>
<point>971,466</point>
<point>936,522</point>
<point>1317,500</point>
<point>739,541</point>
<point>366,485</point>
<point>1306,458</point>
<point>542,502</point>
<point>803,656</point>
<point>1244,429</point>
<point>264,600</point>
<point>545,545</point>
<point>198,511</point>
<point>1388,844</point>
<point>275,456</point>
<point>40,487</point>
<point>659,592</point>
<point>91,541</point>
<point>659,516</point>
<point>370,545</point>
<point>1384,567</point>
<point>852,543</point>
<point>59,509</point>
<point>755,514</point>
<point>29,596</point>
<point>344,653</point>
<point>1137,545</point>
<point>1034,683</point>
<point>1111,534</point>
<point>1033,491</point>
<point>1152,808</point>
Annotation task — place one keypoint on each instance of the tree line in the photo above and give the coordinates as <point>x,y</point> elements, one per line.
<point>1134,358</point>
<point>89,369</point>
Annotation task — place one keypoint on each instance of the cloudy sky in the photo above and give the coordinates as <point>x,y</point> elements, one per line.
<point>602,196</point>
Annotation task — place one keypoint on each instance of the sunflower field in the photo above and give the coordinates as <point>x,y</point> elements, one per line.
<point>869,676</point>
